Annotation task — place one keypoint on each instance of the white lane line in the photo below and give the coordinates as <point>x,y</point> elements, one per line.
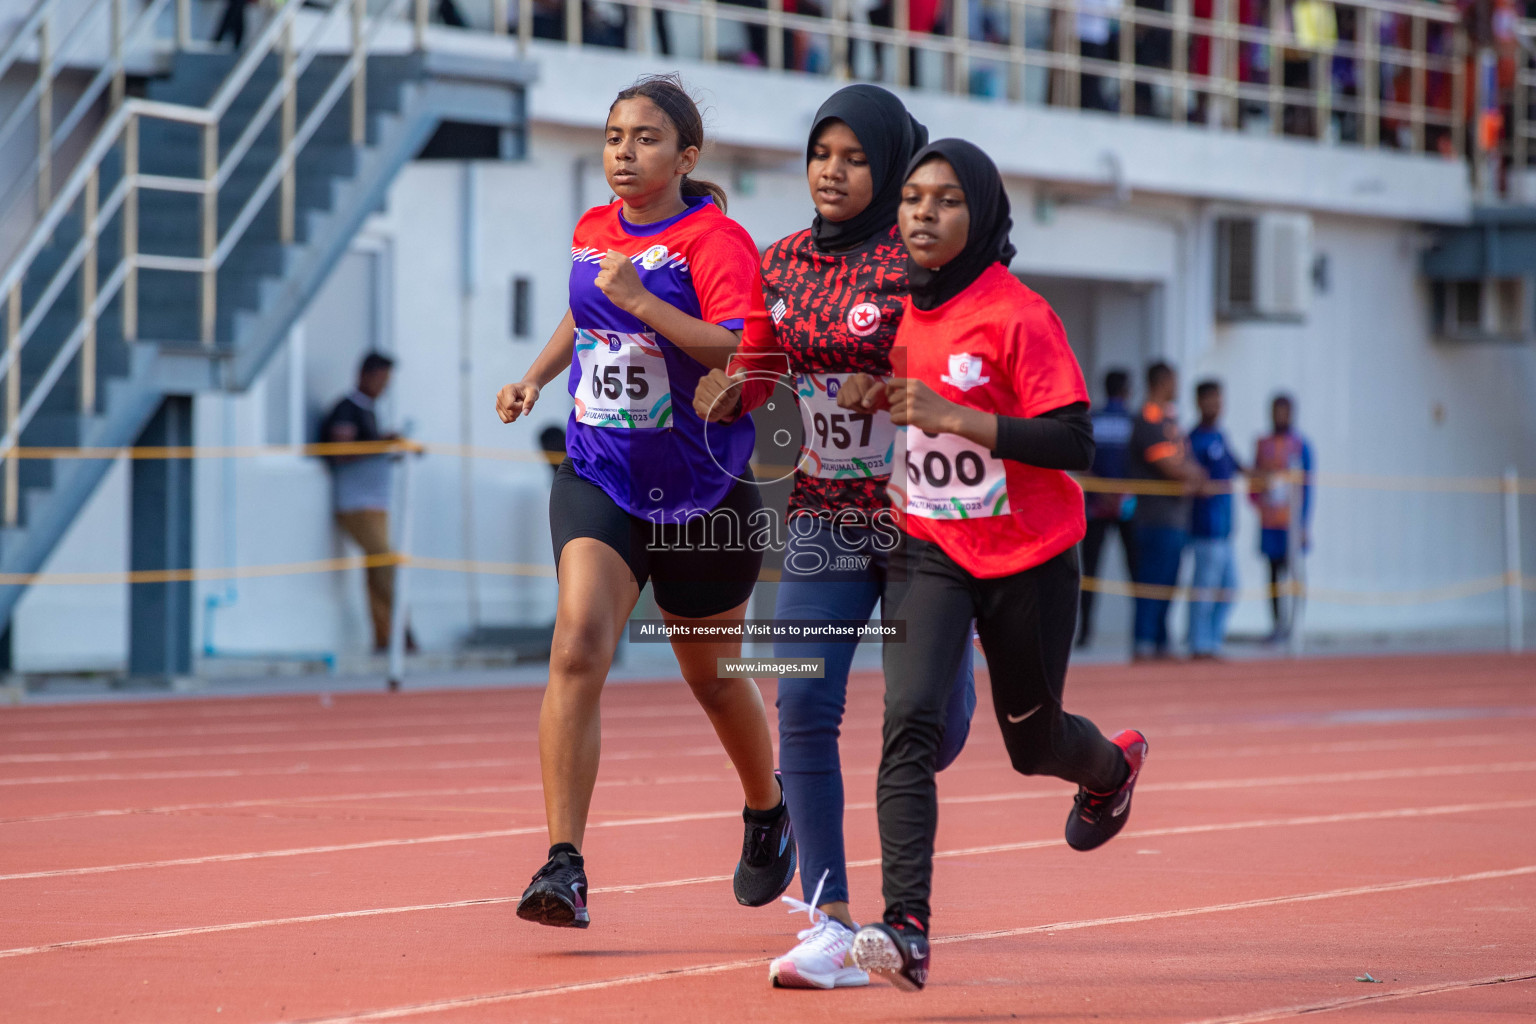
<point>342,798</point>
<point>972,764</point>
<point>509,738</point>
<point>1390,995</point>
<point>1274,682</point>
<point>313,723</point>
<point>321,720</point>
<point>1204,785</point>
<point>173,933</point>
<point>373,844</point>
<point>303,768</point>
<point>499,998</point>
<point>379,743</point>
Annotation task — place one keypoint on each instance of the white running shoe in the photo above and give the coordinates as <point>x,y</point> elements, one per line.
<point>821,958</point>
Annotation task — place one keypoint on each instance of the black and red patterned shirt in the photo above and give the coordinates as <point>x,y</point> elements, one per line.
<point>830,314</point>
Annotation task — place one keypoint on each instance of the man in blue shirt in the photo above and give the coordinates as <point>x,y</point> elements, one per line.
<point>1108,511</point>
<point>1210,528</point>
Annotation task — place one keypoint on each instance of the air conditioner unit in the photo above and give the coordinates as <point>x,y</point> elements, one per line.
<point>1497,309</point>
<point>1264,266</point>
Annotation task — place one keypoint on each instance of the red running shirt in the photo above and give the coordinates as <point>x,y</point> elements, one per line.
<point>1000,348</point>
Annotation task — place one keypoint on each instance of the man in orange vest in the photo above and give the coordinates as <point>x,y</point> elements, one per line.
<point>1159,455</point>
<point>1282,461</point>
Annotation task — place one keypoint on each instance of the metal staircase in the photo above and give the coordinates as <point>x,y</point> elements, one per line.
<point>200,222</point>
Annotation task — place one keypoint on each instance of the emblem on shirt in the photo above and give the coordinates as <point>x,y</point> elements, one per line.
<point>779,310</point>
<point>833,387</point>
<point>864,319</point>
<point>654,257</point>
<point>964,372</point>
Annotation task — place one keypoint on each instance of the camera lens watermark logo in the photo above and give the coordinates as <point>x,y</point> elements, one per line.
<point>786,451</point>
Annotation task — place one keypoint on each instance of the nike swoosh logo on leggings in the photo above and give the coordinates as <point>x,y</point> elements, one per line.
<point>1016,719</point>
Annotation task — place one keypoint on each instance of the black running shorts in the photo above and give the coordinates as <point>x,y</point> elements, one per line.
<point>697,569</point>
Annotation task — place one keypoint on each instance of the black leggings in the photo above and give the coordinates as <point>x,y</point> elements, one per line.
<point>1026,623</point>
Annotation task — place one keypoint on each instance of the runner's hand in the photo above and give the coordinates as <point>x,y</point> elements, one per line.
<point>915,404</point>
<point>516,400</point>
<point>717,398</point>
<point>864,393</point>
<point>618,279</point>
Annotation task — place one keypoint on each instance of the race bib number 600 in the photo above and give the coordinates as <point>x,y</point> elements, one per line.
<point>949,477</point>
<point>841,443</point>
<point>623,382</point>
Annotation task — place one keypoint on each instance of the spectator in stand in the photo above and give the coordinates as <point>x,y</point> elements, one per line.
<point>1098,38</point>
<point>1279,460</point>
<point>756,53</point>
<point>602,23</point>
<point>363,484</point>
<point>1154,49</point>
<point>1210,528</point>
<point>1159,454</point>
<point>1108,510</point>
<point>232,24</point>
<point>922,16</point>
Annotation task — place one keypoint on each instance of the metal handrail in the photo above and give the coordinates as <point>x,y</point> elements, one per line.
<point>112,72</point>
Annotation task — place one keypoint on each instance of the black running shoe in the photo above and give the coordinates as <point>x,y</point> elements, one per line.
<point>557,896</point>
<point>1097,818</point>
<point>768,857</point>
<point>896,948</point>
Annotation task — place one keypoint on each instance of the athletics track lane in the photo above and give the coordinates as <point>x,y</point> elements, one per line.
<point>270,860</point>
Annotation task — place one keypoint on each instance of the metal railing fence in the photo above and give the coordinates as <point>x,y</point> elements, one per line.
<point>102,281</point>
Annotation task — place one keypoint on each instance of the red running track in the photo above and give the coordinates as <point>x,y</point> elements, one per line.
<point>1299,825</point>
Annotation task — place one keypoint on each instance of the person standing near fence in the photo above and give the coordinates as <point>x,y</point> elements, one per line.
<point>1108,510</point>
<point>1159,455</point>
<point>1278,461</point>
<point>363,485</point>
<point>1210,528</point>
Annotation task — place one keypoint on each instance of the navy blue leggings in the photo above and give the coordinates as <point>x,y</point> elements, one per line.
<point>839,574</point>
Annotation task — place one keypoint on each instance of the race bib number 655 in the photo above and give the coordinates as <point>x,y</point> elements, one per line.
<point>623,381</point>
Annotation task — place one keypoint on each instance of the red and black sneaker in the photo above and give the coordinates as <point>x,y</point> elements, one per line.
<point>557,896</point>
<point>1097,818</point>
<point>897,948</point>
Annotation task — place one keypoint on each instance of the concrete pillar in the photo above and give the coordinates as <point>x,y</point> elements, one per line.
<point>160,537</point>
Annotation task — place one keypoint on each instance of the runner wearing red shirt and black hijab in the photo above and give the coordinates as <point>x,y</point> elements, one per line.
<point>996,412</point>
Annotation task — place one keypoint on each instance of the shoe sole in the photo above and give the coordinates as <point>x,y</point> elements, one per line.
<point>549,909</point>
<point>875,952</point>
<point>786,974</point>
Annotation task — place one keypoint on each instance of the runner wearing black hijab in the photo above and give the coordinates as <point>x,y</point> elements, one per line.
<point>996,411</point>
<point>835,293</point>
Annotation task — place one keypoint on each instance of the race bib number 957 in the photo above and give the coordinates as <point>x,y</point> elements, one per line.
<point>841,443</point>
<point>623,381</point>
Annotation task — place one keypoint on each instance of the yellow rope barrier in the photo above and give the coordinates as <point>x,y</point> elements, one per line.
<point>1468,588</point>
<point>1327,595</point>
<point>1243,485</point>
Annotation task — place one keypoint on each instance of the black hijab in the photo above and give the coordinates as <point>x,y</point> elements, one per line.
<point>889,136</point>
<point>986,242</point>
